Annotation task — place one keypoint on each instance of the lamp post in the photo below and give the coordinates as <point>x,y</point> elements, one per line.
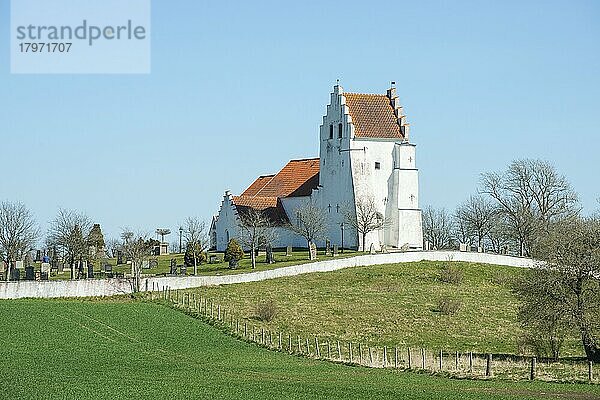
<point>342,228</point>
<point>180,235</point>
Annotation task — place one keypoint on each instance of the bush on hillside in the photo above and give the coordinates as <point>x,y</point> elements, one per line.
<point>450,274</point>
<point>448,305</point>
<point>266,310</point>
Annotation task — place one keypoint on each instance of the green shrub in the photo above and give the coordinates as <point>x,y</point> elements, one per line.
<point>234,251</point>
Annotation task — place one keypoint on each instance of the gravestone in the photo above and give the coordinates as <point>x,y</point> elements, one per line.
<point>233,263</point>
<point>212,259</point>
<point>372,249</point>
<point>182,270</point>
<point>61,267</point>
<point>327,247</point>
<point>43,276</point>
<point>153,263</point>
<point>19,264</point>
<point>288,251</point>
<point>107,268</point>
<point>90,270</point>
<point>119,257</point>
<point>146,264</point>
<point>173,269</point>
<point>463,247</point>
<point>473,248</point>
<point>29,273</point>
<point>313,251</point>
<point>335,250</point>
<point>384,248</point>
<point>270,259</point>
<point>480,249</point>
<point>38,255</point>
<point>45,267</point>
<point>15,274</point>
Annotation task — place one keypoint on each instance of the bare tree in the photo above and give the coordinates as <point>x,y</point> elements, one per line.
<point>311,223</point>
<point>477,216</point>
<point>437,227</point>
<point>196,238</point>
<point>365,218</point>
<point>137,249</point>
<point>565,287</point>
<point>256,231</point>
<point>531,195</point>
<point>68,232</point>
<point>113,245</point>
<point>18,233</point>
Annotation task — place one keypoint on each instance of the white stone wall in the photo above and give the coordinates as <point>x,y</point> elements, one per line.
<point>109,287</point>
<point>227,223</point>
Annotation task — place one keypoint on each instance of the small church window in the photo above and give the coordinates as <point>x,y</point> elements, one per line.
<point>329,207</point>
<point>377,165</point>
<point>340,131</point>
<point>330,131</point>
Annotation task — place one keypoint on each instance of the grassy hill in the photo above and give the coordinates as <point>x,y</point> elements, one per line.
<point>117,349</point>
<point>392,305</point>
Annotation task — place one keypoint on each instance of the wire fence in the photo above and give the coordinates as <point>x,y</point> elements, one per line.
<point>457,364</point>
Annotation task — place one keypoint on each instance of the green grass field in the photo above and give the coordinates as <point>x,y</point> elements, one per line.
<point>392,305</point>
<point>120,349</point>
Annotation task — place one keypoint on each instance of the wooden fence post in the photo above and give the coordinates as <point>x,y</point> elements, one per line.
<point>307,347</point>
<point>317,349</point>
<point>262,335</point>
<point>456,362</point>
<point>339,350</point>
<point>488,365</point>
<point>360,360</point>
<point>532,372</point>
<point>211,310</point>
<point>280,345</point>
<point>395,357</point>
<point>470,362</point>
<point>328,350</point>
<point>590,371</point>
<point>423,357</point>
<point>218,312</point>
<point>441,360</point>
<point>409,359</point>
<point>370,357</point>
<point>290,350</point>
<point>299,347</point>
<point>350,351</point>
<point>384,356</point>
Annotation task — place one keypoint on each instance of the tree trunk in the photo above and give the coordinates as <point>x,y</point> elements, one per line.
<point>195,265</point>
<point>253,256</point>
<point>364,241</point>
<point>592,351</point>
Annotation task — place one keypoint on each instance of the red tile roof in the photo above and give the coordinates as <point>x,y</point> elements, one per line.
<point>270,207</point>
<point>257,185</point>
<point>297,178</point>
<point>373,116</point>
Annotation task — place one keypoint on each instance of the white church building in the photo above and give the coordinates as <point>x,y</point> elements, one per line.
<point>364,155</point>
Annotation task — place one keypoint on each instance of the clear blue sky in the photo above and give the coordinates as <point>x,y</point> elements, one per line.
<point>239,88</point>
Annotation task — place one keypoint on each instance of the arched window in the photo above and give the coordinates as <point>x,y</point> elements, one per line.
<point>330,131</point>
<point>339,131</point>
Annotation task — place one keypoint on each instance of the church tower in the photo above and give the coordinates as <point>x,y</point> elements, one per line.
<point>366,156</point>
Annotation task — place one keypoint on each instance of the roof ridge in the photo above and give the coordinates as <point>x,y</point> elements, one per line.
<point>366,94</point>
<point>303,159</point>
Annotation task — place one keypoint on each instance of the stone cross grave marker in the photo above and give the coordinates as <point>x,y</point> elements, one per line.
<point>288,251</point>
<point>335,250</point>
